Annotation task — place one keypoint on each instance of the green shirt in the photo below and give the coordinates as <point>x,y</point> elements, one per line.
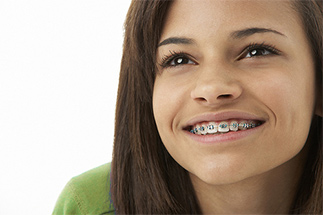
<point>88,193</point>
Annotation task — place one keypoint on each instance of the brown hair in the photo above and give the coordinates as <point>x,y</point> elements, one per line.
<point>145,178</point>
<point>309,198</point>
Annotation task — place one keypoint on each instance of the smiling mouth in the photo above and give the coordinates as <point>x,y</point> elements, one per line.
<point>216,128</point>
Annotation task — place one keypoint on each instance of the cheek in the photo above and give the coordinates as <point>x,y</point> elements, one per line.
<point>171,94</point>
<point>171,101</point>
<point>288,94</point>
<point>290,101</point>
<point>166,101</point>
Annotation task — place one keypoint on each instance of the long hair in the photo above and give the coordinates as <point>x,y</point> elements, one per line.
<point>309,199</point>
<point>145,179</point>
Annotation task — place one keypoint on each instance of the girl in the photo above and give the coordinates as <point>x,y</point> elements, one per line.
<point>219,111</point>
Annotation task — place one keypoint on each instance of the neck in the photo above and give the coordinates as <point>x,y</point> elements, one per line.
<point>272,192</point>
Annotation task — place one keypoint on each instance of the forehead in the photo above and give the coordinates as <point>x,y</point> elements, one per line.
<point>209,17</point>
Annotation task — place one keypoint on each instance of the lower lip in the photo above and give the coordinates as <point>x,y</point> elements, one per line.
<point>224,137</point>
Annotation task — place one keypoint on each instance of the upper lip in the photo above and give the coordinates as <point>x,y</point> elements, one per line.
<point>222,116</point>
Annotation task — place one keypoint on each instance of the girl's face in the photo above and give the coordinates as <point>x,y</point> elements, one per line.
<point>233,65</point>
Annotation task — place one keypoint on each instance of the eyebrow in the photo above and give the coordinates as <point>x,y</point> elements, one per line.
<point>176,40</point>
<point>250,31</point>
<point>235,35</point>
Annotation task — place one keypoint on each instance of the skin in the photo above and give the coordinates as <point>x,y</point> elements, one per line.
<point>258,173</point>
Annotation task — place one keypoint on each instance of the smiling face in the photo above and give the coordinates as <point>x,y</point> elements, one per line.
<point>233,61</point>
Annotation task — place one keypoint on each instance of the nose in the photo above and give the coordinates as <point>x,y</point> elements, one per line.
<point>215,86</point>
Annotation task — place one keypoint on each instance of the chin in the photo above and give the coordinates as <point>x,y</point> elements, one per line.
<point>224,179</point>
<point>226,171</point>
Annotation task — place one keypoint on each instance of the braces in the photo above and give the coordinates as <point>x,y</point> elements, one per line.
<point>223,127</point>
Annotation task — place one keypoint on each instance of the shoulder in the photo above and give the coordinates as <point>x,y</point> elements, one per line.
<point>88,193</point>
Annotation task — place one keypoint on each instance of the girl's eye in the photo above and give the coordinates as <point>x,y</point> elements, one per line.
<point>258,52</point>
<point>176,59</point>
<point>179,61</point>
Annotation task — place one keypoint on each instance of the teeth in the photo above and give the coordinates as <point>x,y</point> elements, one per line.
<point>243,125</point>
<point>195,131</point>
<point>203,129</point>
<point>234,126</point>
<point>223,127</point>
<point>212,128</point>
<point>198,129</point>
<point>252,124</point>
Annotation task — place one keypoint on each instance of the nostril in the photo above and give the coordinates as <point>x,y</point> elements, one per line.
<point>225,96</point>
<point>201,99</point>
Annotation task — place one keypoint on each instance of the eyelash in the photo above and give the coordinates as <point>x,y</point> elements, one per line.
<point>254,46</point>
<point>167,59</point>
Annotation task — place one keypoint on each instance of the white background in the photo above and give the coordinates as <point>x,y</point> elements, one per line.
<point>59,69</point>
